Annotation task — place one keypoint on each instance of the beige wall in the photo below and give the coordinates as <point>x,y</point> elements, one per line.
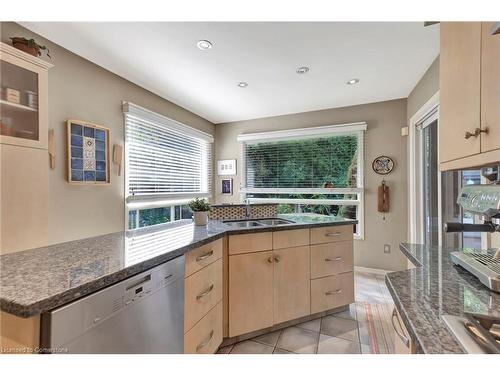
<point>424,89</point>
<point>82,90</point>
<point>383,137</point>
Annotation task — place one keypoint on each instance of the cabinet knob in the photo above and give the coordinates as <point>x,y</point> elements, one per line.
<point>270,260</point>
<point>277,259</point>
<point>476,133</point>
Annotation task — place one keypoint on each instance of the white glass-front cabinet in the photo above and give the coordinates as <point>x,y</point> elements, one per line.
<point>24,161</point>
<point>23,98</point>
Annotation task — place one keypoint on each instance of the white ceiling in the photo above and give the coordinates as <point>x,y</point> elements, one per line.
<point>388,57</point>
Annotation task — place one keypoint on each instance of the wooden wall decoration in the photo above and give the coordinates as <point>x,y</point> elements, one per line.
<point>88,153</point>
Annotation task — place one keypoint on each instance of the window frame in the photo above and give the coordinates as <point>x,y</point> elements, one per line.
<point>304,133</point>
<point>149,201</point>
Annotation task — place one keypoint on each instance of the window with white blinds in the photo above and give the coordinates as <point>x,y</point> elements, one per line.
<point>317,170</point>
<point>164,160</point>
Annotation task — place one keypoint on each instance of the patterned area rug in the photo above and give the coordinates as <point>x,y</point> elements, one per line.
<point>375,329</point>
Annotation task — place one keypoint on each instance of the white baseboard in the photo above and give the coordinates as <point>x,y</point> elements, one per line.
<point>376,271</point>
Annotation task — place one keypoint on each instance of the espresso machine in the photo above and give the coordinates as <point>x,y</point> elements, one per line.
<point>482,200</point>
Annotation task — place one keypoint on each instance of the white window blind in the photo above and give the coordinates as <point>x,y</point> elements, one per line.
<point>165,159</point>
<point>302,162</point>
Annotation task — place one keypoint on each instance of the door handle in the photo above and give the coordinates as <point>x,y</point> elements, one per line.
<point>406,340</point>
<point>205,292</point>
<point>336,259</point>
<point>476,133</point>
<point>205,342</point>
<point>205,256</point>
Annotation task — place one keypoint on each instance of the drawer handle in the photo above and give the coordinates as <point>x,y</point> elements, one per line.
<point>338,291</point>
<point>406,340</point>
<point>205,342</point>
<point>336,259</point>
<point>204,256</point>
<point>205,292</point>
<point>336,234</point>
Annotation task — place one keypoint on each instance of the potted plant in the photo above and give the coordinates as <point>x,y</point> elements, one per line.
<point>29,46</point>
<point>200,208</point>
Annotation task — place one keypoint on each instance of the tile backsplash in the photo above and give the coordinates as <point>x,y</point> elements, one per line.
<point>237,211</point>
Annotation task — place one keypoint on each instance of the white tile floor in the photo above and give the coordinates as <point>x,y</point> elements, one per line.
<point>341,333</point>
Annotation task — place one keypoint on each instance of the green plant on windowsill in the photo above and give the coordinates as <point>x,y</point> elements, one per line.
<point>199,205</point>
<point>200,208</point>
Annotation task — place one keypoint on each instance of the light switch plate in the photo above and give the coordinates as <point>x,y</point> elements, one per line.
<point>387,248</point>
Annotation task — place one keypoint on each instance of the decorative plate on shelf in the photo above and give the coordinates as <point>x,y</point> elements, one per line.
<point>383,165</point>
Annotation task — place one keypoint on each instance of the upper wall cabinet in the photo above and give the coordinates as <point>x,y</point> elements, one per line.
<point>469,129</point>
<point>23,98</point>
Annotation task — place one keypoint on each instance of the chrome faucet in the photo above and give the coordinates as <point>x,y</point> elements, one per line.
<point>248,209</point>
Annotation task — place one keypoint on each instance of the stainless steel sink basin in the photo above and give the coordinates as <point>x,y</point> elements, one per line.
<point>243,224</point>
<point>274,221</point>
<point>257,223</point>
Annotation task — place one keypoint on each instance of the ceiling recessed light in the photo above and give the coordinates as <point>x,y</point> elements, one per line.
<point>242,84</point>
<point>353,81</point>
<point>204,44</point>
<point>302,70</point>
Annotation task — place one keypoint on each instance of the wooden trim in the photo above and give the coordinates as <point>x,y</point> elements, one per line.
<point>5,48</point>
<point>472,162</point>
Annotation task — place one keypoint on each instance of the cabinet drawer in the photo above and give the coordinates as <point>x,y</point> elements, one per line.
<point>203,256</point>
<point>290,238</point>
<point>203,290</point>
<point>331,234</point>
<point>333,291</point>
<point>331,259</point>
<point>206,335</point>
<point>250,243</point>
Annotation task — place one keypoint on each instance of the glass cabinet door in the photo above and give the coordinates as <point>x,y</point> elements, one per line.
<point>19,116</point>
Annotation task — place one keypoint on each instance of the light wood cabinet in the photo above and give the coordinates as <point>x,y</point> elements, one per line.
<point>292,292</point>
<point>250,292</point>
<point>331,292</point>
<point>23,98</point>
<point>490,88</point>
<point>250,243</point>
<point>459,89</point>
<point>203,290</point>
<point>331,259</point>
<point>335,233</point>
<point>24,185</point>
<point>270,287</point>
<point>203,256</point>
<point>469,113</point>
<point>23,150</point>
<point>206,336</point>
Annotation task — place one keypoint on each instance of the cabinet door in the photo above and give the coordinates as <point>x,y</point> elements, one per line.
<point>24,182</point>
<point>250,292</point>
<point>459,89</point>
<point>490,89</point>
<point>23,102</point>
<point>292,292</point>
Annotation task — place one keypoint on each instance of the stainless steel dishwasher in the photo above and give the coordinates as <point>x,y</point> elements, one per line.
<point>142,314</point>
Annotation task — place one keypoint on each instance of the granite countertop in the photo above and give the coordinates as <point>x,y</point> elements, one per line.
<point>434,288</point>
<point>38,280</point>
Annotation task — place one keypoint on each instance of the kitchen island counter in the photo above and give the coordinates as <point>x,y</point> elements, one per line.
<point>436,287</point>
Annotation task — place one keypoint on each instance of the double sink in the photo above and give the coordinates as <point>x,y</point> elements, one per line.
<point>252,223</point>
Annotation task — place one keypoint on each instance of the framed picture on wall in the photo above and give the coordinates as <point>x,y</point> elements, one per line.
<point>226,167</point>
<point>227,186</point>
<point>88,153</point>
